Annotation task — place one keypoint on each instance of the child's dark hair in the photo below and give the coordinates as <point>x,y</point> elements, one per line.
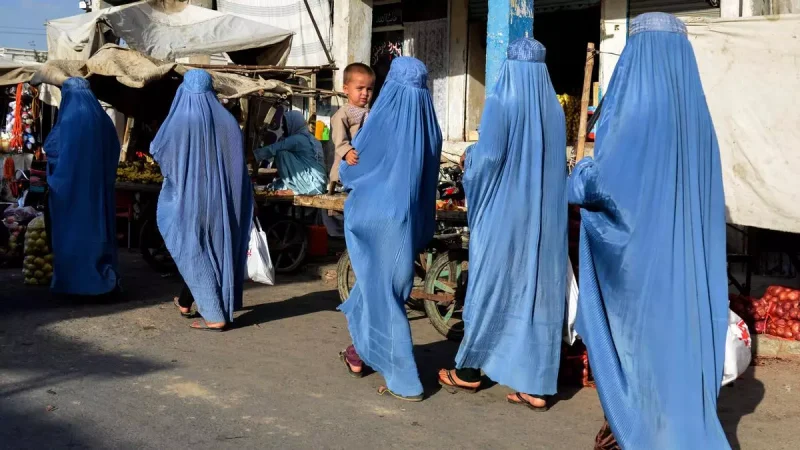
<point>357,68</point>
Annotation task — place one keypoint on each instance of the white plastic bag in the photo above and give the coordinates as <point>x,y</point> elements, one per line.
<point>738,351</point>
<point>259,263</point>
<point>572,305</point>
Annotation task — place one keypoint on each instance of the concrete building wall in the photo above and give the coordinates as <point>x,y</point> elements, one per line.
<point>352,34</point>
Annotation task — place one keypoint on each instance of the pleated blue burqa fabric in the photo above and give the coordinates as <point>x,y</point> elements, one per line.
<point>299,158</point>
<point>653,303</point>
<point>82,157</point>
<point>515,182</point>
<point>389,218</point>
<point>206,204</point>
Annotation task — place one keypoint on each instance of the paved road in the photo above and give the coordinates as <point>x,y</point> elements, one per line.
<point>132,375</point>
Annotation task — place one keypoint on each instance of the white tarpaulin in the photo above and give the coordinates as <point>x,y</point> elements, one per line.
<point>750,68</point>
<point>15,71</point>
<point>183,31</point>
<point>307,50</point>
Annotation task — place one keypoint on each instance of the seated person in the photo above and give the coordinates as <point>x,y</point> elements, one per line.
<point>298,157</point>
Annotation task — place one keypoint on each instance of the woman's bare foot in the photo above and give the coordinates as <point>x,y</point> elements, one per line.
<point>208,326</point>
<point>448,378</point>
<point>534,402</point>
<point>355,369</point>
<point>184,311</point>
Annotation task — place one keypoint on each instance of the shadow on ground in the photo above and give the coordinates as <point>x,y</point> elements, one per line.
<point>738,400</point>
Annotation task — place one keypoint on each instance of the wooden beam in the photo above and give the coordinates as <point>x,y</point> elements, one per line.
<point>587,88</point>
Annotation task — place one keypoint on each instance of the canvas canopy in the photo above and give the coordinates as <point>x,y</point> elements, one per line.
<point>166,31</point>
<point>13,72</point>
<point>750,69</point>
<point>139,86</point>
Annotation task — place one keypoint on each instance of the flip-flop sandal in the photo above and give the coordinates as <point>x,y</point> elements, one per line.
<point>452,386</point>
<point>203,326</point>
<point>188,315</point>
<point>385,390</point>
<point>354,374</point>
<point>522,401</point>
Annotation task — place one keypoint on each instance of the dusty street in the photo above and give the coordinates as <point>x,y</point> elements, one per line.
<point>132,375</point>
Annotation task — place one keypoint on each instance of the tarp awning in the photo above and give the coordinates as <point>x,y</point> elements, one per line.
<point>13,72</point>
<point>750,68</point>
<point>140,86</point>
<point>167,34</point>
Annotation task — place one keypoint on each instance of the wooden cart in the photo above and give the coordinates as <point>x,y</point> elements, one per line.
<point>440,271</point>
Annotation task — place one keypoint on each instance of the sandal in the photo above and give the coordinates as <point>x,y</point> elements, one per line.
<point>349,365</point>
<point>452,386</point>
<point>186,315</point>
<point>522,401</point>
<point>385,390</point>
<point>201,325</point>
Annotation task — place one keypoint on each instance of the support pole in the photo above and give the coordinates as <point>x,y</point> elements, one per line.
<point>587,89</point>
<point>508,21</point>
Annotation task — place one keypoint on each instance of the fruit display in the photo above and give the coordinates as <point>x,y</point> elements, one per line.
<point>572,114</point>
<point>144,172</point>
<point>38,264</point>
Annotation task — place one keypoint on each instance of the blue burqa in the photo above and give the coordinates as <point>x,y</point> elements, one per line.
<point>389,218</point>
<point>653,305</point>
<point>206,204</point>
<point>82,158</point>
<point>299,157</point>
<point>515,181</point>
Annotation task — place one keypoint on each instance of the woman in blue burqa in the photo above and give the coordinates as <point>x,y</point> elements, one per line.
<point>389,218</point>
<point>515,182</point>
<point>299,158</point>
<point>653,302</point>
<point>82,157</point>
<point>206,204</point>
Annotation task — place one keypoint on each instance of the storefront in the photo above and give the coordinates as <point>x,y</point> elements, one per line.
<point>453,38</point>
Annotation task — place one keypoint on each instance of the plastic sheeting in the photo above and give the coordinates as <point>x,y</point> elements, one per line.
<point>13,72</point>
<point>515,181</point>
<point>389,218</point>
<point>750,69</point>
<point>301,164</point>
<point>307,50</point>
<point>183,31</point>
<point>123,77</point>
<point>653,307</point>
<point>205,207</point>
<point>82,156</point>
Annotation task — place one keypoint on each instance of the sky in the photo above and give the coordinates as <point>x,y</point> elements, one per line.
<point>22,21</point>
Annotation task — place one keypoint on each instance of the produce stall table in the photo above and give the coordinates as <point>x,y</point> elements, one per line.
<point>440,271</point>
<point>285,228</point>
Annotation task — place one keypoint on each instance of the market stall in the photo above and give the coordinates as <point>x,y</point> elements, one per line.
<point>440,271</point>
<point>143,88</point>
<point>22,178</point>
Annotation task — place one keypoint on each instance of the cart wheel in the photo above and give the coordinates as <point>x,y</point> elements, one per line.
<point>448,275</point>
<point>154,251</point>
<point>288,244</point>
<point>346,278</point>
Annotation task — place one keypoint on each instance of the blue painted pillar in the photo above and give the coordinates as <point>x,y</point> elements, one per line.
<point>508,20</point>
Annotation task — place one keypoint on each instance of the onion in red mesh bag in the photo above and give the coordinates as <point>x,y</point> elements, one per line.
<point>794,296</point>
